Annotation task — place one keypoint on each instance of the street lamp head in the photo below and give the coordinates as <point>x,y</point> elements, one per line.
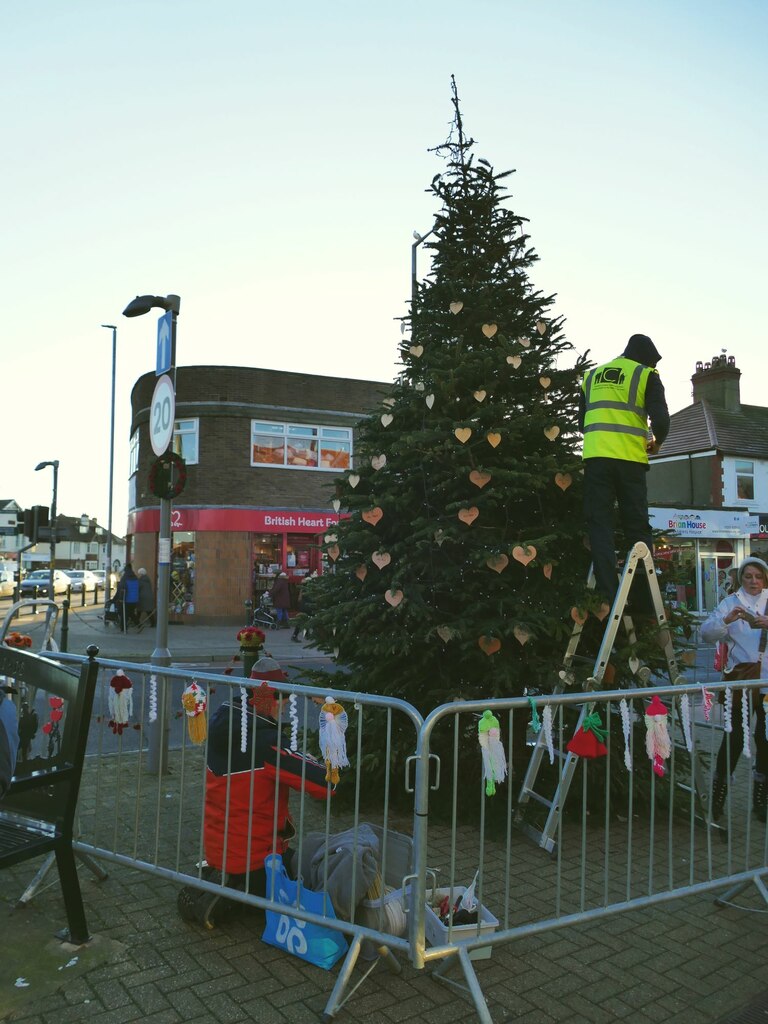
<point>42,465</point>
<point>143,303</point>
<point>110,327</point>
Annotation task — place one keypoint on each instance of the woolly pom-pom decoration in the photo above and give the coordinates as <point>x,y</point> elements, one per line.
<point>153,698</point>
<point>120,701</point>
<point>494,760</point>
<point>728,710</point>
<point>293,716</point>
<point>333,747</point>
<point>685,715</point>
<point>588,739</point>
<point>657,743</point>
<point>745,717</point>
<point>707,698</point>
<point>546,725</point>
<point>195,702</point>
<point>625,728</point>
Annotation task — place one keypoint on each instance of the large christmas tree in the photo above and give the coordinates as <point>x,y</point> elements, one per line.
<point>463,553</point>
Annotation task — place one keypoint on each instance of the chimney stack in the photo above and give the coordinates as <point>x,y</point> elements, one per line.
<point>717,382</point>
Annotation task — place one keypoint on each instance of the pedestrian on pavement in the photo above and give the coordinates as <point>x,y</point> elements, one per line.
<point>615,404</point>
<point>146,600</point>
<point>304,608</point>
<point>281,599</point>
<point>244,781</point>
<point>127,597</point>
<point>9,739</point>
<point>741,621</point>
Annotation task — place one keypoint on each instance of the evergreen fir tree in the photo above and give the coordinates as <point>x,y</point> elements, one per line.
<point>463,553</point>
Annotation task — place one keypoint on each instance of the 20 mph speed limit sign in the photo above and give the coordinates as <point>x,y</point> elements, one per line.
<point>162,414</point>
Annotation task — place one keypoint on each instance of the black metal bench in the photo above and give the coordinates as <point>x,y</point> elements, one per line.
<point>37,814</point>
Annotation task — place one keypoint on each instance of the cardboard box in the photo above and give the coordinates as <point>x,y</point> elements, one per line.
<point>437,933</point>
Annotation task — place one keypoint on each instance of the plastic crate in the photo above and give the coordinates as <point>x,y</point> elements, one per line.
<point>437,933</point>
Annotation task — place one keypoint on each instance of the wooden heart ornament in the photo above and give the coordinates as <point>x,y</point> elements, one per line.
<point>524,553</point>
<point>381,559</point>
<point>379,461</point>
<point>547,570</point>
<point>373,515</point>
<point>634,665</point>
<point>430,400</point>
<point>479,395</point>
<point>330,538</point>
<point>445,633</point>
<point>602,612</point>
<point>493,439</point>
<point>336,504</point>
<point>416,350</point>
<point>439,538</point>
<point>541,326</point>
<point>479,478</point>
<point>388,402</point>
<point>333,552</point>
<point>551,433</point>
<point>525,342</point>
<point>489,644</point>
<point>361,572</point>
<point>386,419</point>
<point>419,385</point>
<point>393,597</point>
<point>545,382</point>
<point>563,480</point>
<point>456,307</point>
<point>522,635</point>
<point>463,434</point>
<point>489,329</point>
<point>497,562</point>
<point>468,515</point>
<point>514,361</point>
<point>579,616</point>
<point>353,480</point>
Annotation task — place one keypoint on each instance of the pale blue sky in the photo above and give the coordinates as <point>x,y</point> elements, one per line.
<point>270,165</point>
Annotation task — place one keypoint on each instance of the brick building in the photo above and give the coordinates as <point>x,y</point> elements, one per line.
<point>262,448</point>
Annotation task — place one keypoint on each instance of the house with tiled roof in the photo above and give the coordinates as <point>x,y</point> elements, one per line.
<point>708,484</point>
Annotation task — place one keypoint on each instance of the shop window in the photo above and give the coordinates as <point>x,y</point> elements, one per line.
<point>182,588</point>
<point>185,440</point>
<point>302,554</point>
<point>300,446</point>
<point>745,480</point>
<point>133,454</point>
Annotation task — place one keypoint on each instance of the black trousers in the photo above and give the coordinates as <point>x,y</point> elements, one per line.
<point>607,482</point>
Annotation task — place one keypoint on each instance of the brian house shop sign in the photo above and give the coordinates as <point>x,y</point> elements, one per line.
<point>712,523</point>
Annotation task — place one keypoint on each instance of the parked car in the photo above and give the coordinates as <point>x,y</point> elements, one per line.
<point>41,578</point>
<point>82,579</point>
<point>101,576</point>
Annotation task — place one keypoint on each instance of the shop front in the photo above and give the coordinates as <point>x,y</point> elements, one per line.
<point>696,550</point>
<point>223,557</point>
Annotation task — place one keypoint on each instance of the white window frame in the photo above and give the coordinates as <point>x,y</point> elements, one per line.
<point>313,432</point>
<point>180,433</point>
<point>747,474</point>
<point>133,454</point>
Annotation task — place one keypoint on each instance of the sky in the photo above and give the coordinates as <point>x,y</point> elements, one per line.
<point>269,164</point>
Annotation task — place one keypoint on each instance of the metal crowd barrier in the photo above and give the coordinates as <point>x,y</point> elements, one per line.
<point>627,839</point>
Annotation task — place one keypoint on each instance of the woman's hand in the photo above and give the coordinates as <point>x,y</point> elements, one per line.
<point>736,614</point>
<point>760,621</point>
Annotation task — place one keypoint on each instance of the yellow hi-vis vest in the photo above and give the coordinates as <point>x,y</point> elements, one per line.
<point>615,422</point>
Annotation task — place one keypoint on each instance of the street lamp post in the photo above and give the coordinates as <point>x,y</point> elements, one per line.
<point>52,571</point>
<point>161,656</point>
<point>108,567</point>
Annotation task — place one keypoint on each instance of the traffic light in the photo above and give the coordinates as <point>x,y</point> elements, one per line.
<point>29,521</point>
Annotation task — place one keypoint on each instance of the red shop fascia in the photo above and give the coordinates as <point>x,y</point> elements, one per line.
<point>282,524</point>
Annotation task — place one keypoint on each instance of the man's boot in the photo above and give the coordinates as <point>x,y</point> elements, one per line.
<point>719,793</point>
<point>760,797</point>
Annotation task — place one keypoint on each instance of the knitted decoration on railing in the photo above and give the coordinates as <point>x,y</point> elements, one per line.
<point>120,701</point>
<point>745,717</point>
<point>546,725</point>
<point>728,710</point>
<point>685,715</point>
<point>625,728</point>
<point>333,746</point>
<point>589,738</point>
<point>657,743</point>
<point>494,759</point>
<point>708,699</point>
<point>195,702</point>
<point>293,716</point>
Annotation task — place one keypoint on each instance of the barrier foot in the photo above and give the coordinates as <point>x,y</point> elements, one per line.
<point>337,998</point>
<point>472,986</point>
<point>46,866</point>
<point>727,897</point>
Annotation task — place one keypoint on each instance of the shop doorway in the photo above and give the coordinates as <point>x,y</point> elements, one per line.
<point>714,579</point>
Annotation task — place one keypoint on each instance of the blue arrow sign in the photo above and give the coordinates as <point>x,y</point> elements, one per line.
<point>164,344</point>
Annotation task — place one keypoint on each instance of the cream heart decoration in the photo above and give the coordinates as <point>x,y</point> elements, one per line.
<point>479,478</point>
<point>463,434</point>
<point>634,665</point>
<point>514,361</point>
<point>525,342</point>
<point>430,400</point>
<point>541,326</point>
<point>524,553</point>
<point>468,515</point>
<point>522,635</point>
<point>602,612</point>
<point>419,385</point>
<point>456,307</point>
<point>497,562</point>
<point>416,350</point>
<point>330,538</point>
<point>388,401</point>
<point>445,633</point>
<point>353,480</point>
<point>551,433</point>
<point>547,570</point>
<point>379,461</point>
<point>493,439</point>
<point>489,644</point>
<point>373,515</point>
<point>489,329</point>
<point>381,559</point>
<point>479,396</point>
<point>333,552</point>
<point>579,616</point>
<point>361,572</point>
<point>563,480</point>
<point>386,419</point>
<point>545,382</point>
<point>336,504</point>
<point>439,537</point>
<point>393,597</point>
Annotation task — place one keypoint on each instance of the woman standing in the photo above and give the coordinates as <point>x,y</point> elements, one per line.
<point>740,621</point>
<point>281,599</point>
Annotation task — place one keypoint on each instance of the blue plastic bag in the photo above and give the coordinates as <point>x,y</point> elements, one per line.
<point>310,942</point>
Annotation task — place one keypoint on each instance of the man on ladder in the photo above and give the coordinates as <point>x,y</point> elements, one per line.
<point>616,401</point>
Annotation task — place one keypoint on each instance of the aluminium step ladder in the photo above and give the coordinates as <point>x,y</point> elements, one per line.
<point>638,561</point>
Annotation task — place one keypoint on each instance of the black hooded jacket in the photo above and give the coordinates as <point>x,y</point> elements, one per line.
<point>641,349</point>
